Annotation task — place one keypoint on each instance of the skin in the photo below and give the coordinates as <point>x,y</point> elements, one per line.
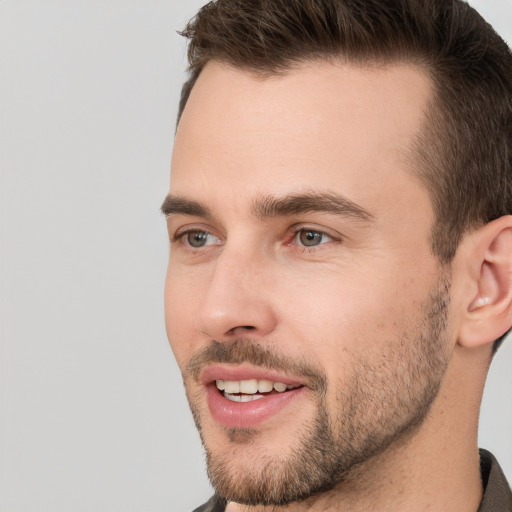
<point>355,297</point>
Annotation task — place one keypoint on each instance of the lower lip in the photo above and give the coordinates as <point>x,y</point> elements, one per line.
<point>248,414</point>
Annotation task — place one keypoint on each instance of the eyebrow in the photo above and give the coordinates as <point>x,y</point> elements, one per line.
<point>327,202</point>
<point>272,206</point>
<point>181,206</point>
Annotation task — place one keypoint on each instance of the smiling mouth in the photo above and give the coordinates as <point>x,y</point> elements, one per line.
<point>252,389</point>
<point>234,394</point>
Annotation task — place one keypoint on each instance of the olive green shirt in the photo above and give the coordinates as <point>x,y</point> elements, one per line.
<point>497,495</point>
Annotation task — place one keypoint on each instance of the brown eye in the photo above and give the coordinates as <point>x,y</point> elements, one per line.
<point>310,238</point>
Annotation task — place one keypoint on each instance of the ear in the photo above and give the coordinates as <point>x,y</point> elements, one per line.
<point>488,308</point>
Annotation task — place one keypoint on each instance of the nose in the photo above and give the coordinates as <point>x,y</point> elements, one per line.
<point>238,298</point>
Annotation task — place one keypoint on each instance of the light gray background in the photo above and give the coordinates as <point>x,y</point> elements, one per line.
<point>92,413</point>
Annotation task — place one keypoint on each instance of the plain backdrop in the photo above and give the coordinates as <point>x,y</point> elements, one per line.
<point>93,417</point>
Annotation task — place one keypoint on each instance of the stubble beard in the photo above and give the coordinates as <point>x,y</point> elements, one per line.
<point>384,400</point>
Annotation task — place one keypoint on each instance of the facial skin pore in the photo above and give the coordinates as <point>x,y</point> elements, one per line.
<point>300,253</point>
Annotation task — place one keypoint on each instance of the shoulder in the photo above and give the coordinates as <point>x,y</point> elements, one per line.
<point>214,504</point>
<point>497,493</point>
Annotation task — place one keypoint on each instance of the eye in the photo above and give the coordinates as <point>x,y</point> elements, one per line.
<point>197,239</point>
<point>311,237</point>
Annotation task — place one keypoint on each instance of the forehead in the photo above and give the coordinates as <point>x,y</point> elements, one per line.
<point>329,125</point>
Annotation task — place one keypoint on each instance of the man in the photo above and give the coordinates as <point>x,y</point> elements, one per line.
<point>341,251</point>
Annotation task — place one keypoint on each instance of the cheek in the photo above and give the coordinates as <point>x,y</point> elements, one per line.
<point>341,305</point>
<point>179,303</point>
<point>349,316</point>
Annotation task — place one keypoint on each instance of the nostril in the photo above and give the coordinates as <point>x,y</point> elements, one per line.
<point>240,329</point>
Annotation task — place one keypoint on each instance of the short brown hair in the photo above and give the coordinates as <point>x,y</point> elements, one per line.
<point>464,152</point>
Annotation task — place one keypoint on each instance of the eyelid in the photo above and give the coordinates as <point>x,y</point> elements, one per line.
<point>182,242</point>
<point>296,229</point>
<point>190,228</point>
<point>290,239</point>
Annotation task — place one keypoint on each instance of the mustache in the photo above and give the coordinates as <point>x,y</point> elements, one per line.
<point>256,353</point>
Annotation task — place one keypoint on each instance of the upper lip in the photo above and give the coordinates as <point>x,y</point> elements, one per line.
<point>240,372</point>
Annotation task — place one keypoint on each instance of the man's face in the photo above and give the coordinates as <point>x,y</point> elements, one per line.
<point>303,303</point>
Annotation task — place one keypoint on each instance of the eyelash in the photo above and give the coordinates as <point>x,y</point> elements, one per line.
<point>309,249</point>
<point>180,236</point>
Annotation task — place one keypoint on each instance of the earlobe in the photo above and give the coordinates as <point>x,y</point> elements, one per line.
<point>489,309</point>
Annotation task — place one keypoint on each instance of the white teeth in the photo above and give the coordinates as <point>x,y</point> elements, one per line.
<point>232,386</point>
<point>251,386</point>
<point>242,398</point>
<point>265,386</point>
<point>279,386</point>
